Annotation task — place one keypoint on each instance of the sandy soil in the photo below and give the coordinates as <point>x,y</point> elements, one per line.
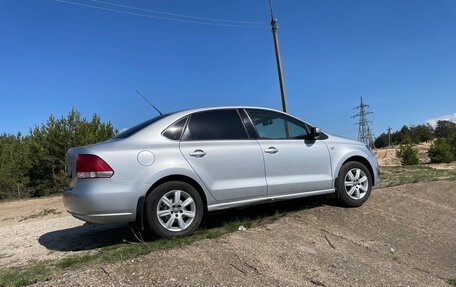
<point>403,236</point>
<point>387,156</point>
<point>13,212</point>
<point>41,229</point>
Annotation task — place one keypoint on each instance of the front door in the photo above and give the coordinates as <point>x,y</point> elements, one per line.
<point>293,163</point>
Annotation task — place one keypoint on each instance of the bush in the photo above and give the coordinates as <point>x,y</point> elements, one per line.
<point>441,151</point>
<point>406,152</point>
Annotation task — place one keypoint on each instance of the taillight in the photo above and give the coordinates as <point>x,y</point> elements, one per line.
<point>92,166</point>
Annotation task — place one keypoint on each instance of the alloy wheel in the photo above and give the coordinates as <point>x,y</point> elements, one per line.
<point>176,210</point>
<point>356,183</point>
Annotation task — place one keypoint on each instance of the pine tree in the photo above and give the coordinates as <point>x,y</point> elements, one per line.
<point>441,151</point>
<point>406,152</point>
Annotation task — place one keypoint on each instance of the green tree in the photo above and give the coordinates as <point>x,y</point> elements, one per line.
<point>49,142</point>
<point>406,152</point>
<point>445,129</point>
<point>421,133</point>
<point>452,142</point>
<point>381,141</point>
<point>14,165</point>
<point>396,137</point>
<point>441,151</point>
<point>34,165</point>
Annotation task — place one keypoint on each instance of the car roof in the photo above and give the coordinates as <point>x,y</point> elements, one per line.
<point>200,109</point>
<point>227,107</point>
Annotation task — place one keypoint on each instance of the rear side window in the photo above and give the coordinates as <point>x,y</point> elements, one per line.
<point>215,125</point>
<point>131,131</point>
<point>273,125</point>
<point>174,132</point>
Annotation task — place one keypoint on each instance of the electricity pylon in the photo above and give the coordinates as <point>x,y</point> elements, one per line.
<point>364,131</point>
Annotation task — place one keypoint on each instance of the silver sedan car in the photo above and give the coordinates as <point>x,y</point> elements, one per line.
<point>165,173</point>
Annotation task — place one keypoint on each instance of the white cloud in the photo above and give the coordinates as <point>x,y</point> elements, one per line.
<point>451,118</point>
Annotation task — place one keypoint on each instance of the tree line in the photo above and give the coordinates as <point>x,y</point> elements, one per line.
<point>417,134</point>
<point>443,137</point>
<point>34,165</point>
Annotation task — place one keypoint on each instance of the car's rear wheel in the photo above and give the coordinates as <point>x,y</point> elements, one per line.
<point>174,209</point>
<point>354,184</point>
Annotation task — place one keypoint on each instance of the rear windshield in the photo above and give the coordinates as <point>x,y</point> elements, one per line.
<point>131,131</point>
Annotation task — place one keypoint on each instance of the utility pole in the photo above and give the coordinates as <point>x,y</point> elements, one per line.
<point>277,54</point>
<point>364,131</point>
<point>389,136</point>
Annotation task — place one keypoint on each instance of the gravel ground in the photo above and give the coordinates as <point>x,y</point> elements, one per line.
<point>403,236</point>
<point>29,233</point>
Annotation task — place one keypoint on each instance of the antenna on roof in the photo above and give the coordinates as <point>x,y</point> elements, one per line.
<point>148,102</point>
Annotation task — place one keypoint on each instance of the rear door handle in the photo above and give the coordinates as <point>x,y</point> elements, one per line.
<point>198,153</point>
<point>271,150</point>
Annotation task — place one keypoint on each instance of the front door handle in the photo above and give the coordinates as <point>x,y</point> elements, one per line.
<point>198,153</point>
<point>271,150</point>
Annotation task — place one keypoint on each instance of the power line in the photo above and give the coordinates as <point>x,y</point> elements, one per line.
<point>177,15</point>
<point>160,17</point>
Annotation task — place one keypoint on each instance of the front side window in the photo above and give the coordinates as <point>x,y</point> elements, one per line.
<point>273,125</point>
<point>215,125</point>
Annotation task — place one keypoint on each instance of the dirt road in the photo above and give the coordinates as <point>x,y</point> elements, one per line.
<point>403,236</point>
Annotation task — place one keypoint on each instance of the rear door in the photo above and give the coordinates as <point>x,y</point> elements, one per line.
<point>293,163</point>
<point>229,162</point>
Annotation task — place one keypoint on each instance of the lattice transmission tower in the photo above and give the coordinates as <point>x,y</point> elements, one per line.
<point>364,132</point>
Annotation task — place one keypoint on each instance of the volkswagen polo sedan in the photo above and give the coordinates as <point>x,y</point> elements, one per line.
<point>166,173</point>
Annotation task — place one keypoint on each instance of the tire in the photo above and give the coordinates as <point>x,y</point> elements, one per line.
<point>175,215</point>
<point>352,190</point>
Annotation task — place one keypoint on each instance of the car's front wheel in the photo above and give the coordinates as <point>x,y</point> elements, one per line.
<point>174,209</point>
<point>354,184</point>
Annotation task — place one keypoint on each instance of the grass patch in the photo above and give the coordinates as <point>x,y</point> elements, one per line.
<point>397,175</point>
<point>452,281</point>
<point>24,276</point>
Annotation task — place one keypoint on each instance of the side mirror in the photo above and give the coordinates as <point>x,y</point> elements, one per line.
<point>315,133</point>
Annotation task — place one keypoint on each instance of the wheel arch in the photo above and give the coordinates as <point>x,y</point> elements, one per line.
<point>140,214</point>
<point>356,158</point>
<point>183,178</point>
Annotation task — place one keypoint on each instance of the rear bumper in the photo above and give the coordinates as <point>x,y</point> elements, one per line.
<point>103,201</point>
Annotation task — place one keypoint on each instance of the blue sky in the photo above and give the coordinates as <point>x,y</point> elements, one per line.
<point>399,55</point>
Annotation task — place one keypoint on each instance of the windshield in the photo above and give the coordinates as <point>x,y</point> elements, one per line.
<point>131,131</point>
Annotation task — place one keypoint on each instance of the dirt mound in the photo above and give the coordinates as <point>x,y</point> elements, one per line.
<point>387,156</point>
